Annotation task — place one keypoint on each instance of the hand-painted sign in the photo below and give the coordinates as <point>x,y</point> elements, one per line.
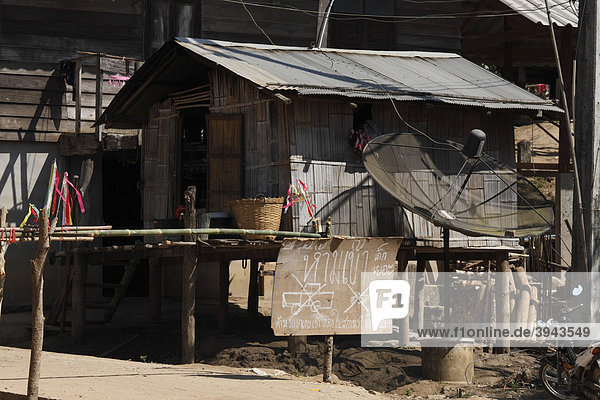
<point>317,288</point>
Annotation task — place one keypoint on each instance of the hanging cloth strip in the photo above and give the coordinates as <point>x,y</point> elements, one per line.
<point>64,196</point>
<point>56,184</point>
<point>67,200</point>
<point>79,198</point>
<point>296,195</point>
<point>11,238</point>
<point>31,210</point>
<point>51,184</point>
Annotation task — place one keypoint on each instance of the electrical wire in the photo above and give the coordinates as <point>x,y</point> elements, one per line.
<point>400,18</point>
<point>255,23</point>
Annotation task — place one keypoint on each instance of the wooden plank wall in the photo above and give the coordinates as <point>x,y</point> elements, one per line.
<point>35,35</point>
<point>160,192</point>
<point>266,144</point>
<point>230,21</point>
<point>422,29</point>
<point>313,134</point>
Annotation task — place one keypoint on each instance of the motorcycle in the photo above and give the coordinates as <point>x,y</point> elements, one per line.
<point>571,375</point>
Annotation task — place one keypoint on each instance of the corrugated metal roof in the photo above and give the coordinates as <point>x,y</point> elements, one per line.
<point>443,77</point>
<point>378,75</point>
<point>563,12</point>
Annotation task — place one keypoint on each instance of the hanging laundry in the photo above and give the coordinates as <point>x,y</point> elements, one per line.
<point>358,139</point>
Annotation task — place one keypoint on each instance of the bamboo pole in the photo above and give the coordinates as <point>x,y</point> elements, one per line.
<point>90,234</point>
<point>183,231</point>
<point>37,312</point>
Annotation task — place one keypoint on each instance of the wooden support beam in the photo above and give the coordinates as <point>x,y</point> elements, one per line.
<point>328,362</point>
<point>78,297</point>
<point>253,290</point>
<point>155,280</point>
<point>223,295</point>
<point>99,79</point>
<point>297,344</point>
<point>188,293</point>
<point>419,289</point>
<point>188,306</point>
<point>403,324</point>
<point>77,87</point>
<point>502,298</point>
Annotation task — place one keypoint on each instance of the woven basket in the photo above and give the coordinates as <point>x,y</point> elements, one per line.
<point>262,213</point>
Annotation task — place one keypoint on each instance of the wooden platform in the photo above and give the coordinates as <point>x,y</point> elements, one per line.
<point>224,251</point>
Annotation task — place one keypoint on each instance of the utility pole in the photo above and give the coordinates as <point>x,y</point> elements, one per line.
<point>587,147</point>
<point>322,28</point>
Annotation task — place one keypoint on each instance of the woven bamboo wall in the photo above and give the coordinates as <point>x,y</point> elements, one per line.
<point>308,139</point>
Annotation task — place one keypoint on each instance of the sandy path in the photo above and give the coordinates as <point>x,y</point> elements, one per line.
<point>66,376</point>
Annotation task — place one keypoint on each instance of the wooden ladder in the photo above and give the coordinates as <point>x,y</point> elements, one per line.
<point>62,300</point>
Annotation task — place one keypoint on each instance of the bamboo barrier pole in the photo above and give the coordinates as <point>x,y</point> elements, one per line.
<point>183,231</point>
<point>89,234</point>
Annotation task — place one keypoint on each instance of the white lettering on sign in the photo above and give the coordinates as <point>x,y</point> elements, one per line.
<point>317,288</point>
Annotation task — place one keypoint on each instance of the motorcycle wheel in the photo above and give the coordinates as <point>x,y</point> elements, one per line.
<point>553,383</point>
<point>595,378</point>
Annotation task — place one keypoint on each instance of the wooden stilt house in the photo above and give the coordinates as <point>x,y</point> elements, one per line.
<point>238,120</point>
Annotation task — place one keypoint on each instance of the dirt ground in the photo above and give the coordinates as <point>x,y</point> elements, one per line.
<point>544,149</point>
<point>251,344</point>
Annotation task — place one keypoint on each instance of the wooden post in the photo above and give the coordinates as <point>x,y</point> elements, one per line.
<point>37,306</point>
<point>403,324</point>
<point>502,298</point>
<point>3,248</point>
<point>322,8</point>
<point>78,296</point>
<point>188,305</point>
<point>419,299</point>
<point>99,81</point>
<point>223,295</point>
<point>507,67</point>
<point>524,151</point>
<point>328,362</point>
<point>253,290</point>
<point>66,285</point>
<point>155,288</point>
<point>297,344</point>
<point>188,293</point>
<point>328,356</point>
<point>586,243</point>
<point>77,88</point>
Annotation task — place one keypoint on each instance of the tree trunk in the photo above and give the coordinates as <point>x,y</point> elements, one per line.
<point>37,306</point>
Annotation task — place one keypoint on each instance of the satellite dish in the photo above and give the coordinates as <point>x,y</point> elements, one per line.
<point>457,187</point>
